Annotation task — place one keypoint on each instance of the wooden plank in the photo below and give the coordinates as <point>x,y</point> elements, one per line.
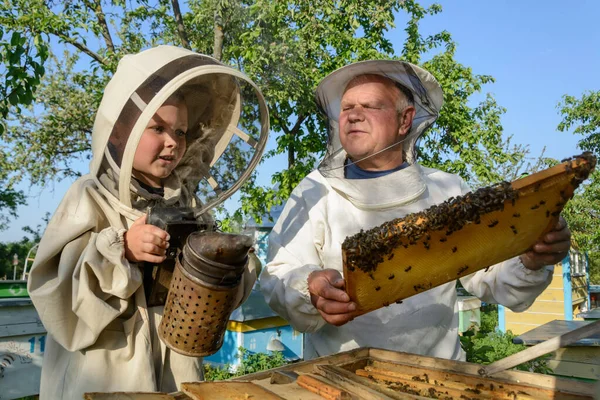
<point>307,366</point>
<point>322,387</point>
<point>574,369</point>
<point>556,328</point>
<point>8,331</point>
<point>128,396</point>
<point>359,386</point>
<point>576,388</point>
<point>487,386</point>
<point>289,391</point>
<point>519,328</point>
<point>566,339</point>
<point>422,387</point>
<point>583,355</point>
<point>552,294</point>
<point>227,390</point>
<point>579,282</point>
<point>533,318</point>
<point>546,306</point>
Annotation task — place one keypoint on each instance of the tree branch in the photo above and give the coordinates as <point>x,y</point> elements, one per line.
<point>74,43</point>
<point>218,32</point>
<point>180,27</point>
<point>96,7</point>
<point>299,122</point>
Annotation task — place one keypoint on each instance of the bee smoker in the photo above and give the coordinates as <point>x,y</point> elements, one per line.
<point>202,272</point>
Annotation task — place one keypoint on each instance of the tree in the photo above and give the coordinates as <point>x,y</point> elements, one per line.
<point>21,64</point>
<point>582,116</point>
<point>285,46</point>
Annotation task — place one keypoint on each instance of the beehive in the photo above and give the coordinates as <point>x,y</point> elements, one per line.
<point>407,256</point>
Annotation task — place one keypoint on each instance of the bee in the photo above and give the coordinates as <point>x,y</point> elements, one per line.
<point>377,288</point>
<point>392,276</point>
<point>516,215</point>
<point>408,268</point>
<point>493,223</point>
<point>542,202</point>
<point>391,256</point>
<point>535,207</point>
<point>462,269</point>
<point>443,239</point>
<point>454,249</point>
<point>426,244</point>
<point>398,302</point>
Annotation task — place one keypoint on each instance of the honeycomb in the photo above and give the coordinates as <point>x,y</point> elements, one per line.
<point>458,237</point>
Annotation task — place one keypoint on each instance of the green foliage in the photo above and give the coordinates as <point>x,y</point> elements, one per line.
<point>7,252</point>
<point>487,344</point>
<point>22,57</point>
<point>10,199</point>
<point>582,117</point>
<point>285,46</point>
<point>250,363</point>
<point>489,319</point>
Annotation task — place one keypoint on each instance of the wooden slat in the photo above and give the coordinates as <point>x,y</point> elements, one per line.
<point>551,294</point>
<point>424,388</point>
<point>128,396</point>
<point>359,386</point>
<point>533,318</point>
<point>322,387</point>
<point>227,390</point>
<point>544,381</point>
<point>583,355</point>
<point>555,328</point>
<point>574,369</point>
<point>487,386</point>
<point>307,366</point>
<point>545,306</point>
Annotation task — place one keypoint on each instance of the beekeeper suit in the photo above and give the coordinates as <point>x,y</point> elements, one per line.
<point>102,337</point>
<point>326,207</point>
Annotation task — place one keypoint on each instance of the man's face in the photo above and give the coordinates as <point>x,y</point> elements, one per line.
<point>162,144</point>
<point>369,121</point>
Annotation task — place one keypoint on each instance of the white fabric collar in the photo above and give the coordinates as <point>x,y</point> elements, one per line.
<point>392,190</point>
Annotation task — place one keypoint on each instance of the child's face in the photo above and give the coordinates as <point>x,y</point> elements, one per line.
<point>162,144</point>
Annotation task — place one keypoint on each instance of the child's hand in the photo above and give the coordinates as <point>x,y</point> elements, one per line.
<point>145,242</point>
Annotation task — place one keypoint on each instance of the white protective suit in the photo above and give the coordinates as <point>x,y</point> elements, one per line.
<point>325,208</point>
<point>101,335</point>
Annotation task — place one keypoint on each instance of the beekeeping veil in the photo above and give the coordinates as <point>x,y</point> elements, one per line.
<point>227,127</point>
<point>426,94</point>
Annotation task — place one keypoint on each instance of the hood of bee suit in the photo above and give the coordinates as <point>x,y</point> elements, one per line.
<point>426,91</point>
<point>385,191</point>
<point>139,87</point>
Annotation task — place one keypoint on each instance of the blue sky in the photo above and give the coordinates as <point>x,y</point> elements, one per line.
<point>537,51</point>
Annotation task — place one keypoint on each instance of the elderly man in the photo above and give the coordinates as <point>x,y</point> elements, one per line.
<point>377,110</point>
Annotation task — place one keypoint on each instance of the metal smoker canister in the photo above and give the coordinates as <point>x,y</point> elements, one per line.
<point>203,292</point>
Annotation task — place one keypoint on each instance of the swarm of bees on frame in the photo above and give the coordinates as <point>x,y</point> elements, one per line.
<point>367,249</point>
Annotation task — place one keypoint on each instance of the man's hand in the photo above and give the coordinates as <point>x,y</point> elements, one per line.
<point>145,242</point>
<point>551,249</point>
<point>327,295</point>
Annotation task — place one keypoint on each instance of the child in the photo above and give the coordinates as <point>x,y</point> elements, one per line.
<point>86,282</point>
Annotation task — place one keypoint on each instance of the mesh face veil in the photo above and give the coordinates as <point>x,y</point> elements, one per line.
<point>227,125</point>
<point>426,94</point>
